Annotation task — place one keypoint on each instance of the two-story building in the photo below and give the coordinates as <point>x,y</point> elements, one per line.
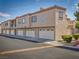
<point>50,23</point>
<point>0,28</point>
<point>5,26</point>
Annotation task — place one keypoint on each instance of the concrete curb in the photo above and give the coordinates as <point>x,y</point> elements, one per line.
<point>26,38</point>
<point>69,47</point>
<point>19,38</point>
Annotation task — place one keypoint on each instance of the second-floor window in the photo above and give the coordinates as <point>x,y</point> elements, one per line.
<point>61,15</point>
<point>34,19</point>
<point>6,24</point>
<point>23,21</point>
<point>19,21</point>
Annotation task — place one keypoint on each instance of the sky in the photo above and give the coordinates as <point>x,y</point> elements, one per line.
<point>9,9</point>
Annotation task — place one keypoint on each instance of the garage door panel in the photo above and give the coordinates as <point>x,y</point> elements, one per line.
<point>12,32</point>
<point>30,33</point>
<point>4,32</point>
<point>20,32</point>
<point>46,34</point>
<point>7,32</point>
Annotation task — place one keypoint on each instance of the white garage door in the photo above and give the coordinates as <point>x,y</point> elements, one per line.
<point>4,32</point>
<point>7,32</point>
<point>20,32</point>
<point>12,32</point>
<point>46,33</point>
<point>30,33</point>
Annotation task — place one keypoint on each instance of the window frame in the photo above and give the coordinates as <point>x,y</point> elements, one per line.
<point>34,19</point>
<point>23,21</point>
<point>61,13</point>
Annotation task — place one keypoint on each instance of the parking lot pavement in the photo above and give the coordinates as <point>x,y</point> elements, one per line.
<point>13,44</point>
<point>20,49</point>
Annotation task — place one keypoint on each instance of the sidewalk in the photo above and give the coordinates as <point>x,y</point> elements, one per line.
<point>61,45</point>
<point>55,43</point>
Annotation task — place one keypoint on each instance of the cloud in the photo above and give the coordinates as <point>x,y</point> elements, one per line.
<point>4,15</point>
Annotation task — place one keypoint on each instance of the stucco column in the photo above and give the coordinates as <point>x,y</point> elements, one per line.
<point>24,32</point>
<point>15,31</point>
<point>37,33</point>
<point>9,31</point>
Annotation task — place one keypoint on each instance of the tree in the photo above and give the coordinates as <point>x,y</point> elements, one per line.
<point>77,24</point>
<point>77,12</point>
<point>77,16</point>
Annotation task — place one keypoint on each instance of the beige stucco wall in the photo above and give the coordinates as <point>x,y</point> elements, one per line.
<point>61,25</point>
<point>22,25</point>
<point>3,26</point>
<point>45,18</point>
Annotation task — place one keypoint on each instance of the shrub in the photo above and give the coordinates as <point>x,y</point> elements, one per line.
<point>77,25</point>
<point>76,36</point>
<point>67,38</point>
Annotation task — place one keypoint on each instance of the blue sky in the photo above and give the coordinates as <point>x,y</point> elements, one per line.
<point>11,8</point>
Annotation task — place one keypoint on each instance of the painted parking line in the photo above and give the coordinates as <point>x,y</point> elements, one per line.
<point>24,50</point>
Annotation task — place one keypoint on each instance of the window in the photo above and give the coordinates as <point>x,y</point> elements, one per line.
<point>34,19</point>
<point>6,24</point>
<point>19,21</point>
<point>60,15</point>
<point>23,21</point>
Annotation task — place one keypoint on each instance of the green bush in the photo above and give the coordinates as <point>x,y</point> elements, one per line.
<point>77,24</point>
<point>76,36</point>
<point>67,38</point>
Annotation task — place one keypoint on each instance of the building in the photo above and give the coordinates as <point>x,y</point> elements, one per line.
<point>0,28</point>
<point>50,23</point>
